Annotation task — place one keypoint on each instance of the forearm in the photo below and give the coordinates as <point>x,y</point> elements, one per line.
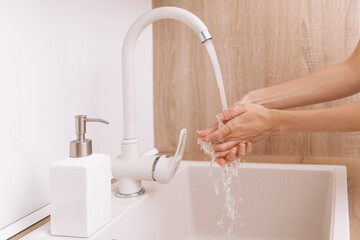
<point>328,84</point>
<point>344,118</point>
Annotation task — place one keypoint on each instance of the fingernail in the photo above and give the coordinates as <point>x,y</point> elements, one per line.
<point>217,155</point>
<point>221,161</point>
<point>220,116</point>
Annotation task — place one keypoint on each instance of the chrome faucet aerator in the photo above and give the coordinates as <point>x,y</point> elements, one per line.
<point>204,36</point>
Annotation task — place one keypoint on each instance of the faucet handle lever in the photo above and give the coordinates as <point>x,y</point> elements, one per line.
<point>179,151</point>
<point>181,146</point>
<point>165,167</point>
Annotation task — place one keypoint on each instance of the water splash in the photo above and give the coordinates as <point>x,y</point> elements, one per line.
<point>230,169</point>
<point>228,172</point>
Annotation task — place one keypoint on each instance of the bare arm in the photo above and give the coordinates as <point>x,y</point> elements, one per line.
<point>344,118</point>
<point>253,122</point>
<point>331,83</point>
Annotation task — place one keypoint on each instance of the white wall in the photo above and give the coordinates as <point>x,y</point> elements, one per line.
<point>59,58</point>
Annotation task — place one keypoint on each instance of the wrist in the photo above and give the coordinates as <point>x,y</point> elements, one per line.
<point>278,121</point>
<point>246,98</point>
<point>249,97</point>
<point>261,96</point>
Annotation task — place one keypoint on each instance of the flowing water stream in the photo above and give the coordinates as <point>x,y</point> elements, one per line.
<point>212,53</point>
<point>229,170</point>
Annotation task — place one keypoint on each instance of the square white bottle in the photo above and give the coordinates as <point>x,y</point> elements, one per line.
<point>80,188</point>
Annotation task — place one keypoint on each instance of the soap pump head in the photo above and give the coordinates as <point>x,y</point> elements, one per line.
<point>82,147</point>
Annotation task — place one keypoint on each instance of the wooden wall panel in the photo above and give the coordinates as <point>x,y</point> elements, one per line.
<point>259,43</point>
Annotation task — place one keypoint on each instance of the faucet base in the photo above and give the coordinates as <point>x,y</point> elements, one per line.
<point>130,195</point>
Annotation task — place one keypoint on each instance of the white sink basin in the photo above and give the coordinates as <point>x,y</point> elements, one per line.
<point>279,201</point>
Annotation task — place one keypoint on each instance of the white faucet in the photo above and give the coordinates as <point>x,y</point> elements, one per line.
<point>130,168</point>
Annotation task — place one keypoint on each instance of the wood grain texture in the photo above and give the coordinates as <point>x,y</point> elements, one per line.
<point>259,43</point>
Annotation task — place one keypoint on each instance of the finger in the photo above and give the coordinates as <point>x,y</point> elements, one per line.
<point>205,132</point>
<point>221,154</point>
<point>222,147</point>
<point>248,147</point>
<point>218,135</point>
<point>231,155</point>
<point>221,161</point>
<point>241,150</point>
<point>231,112</point>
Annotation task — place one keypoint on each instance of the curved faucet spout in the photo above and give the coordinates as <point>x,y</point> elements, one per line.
<point>130,168</point>
<point>128,55</point>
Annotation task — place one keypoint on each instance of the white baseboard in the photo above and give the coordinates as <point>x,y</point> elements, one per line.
<point>24,222</point>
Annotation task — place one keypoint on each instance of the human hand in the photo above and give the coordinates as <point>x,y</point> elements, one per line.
<point>214,127</point>
<point>243,123</point>
<point>230,155</point>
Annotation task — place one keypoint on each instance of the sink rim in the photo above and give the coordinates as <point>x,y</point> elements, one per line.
<point>340,227</point>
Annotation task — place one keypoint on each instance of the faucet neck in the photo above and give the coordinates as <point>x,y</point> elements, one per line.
<point>128,75</point>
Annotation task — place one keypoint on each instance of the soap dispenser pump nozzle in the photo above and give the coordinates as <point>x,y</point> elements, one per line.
<point>82,147</point>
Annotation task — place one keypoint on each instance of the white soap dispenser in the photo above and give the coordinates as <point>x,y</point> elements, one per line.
<point>80,187</point>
